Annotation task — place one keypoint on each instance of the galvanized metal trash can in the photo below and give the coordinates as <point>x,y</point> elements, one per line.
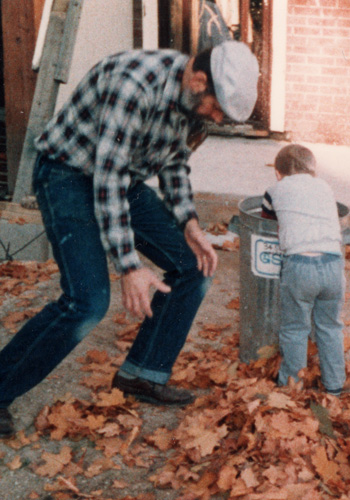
<point>260,266</point>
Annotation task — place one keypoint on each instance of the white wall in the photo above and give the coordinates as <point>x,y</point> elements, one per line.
<point>150,24</point>
<point>278,73</point>
<point>106,27</point>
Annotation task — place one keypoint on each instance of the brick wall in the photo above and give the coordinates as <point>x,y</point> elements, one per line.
<point>318,71</point>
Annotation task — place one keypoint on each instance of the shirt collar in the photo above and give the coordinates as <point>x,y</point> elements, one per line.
<point>172,92</point>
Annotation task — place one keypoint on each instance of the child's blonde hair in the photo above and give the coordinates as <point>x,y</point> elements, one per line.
<point>295,159</point>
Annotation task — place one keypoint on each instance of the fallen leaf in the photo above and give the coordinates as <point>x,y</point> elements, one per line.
<point>60,419</point>
<point>280,400</point>
<point>15,464</point>
<point>113,398</point>
<point>33,496</point>
<point>233,304</point>
<point>110,430</point>
<point>55,463</point>
<point>120,484</point>
<point>227,476</point>
<point>99,466</point>
<point>326,469</point>
<point>249,478</point>
<point>205,439</point>
<point>162,438</point>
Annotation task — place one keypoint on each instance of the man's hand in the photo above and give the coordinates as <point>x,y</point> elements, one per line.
<point>135,290</point>
<point>206,256</point>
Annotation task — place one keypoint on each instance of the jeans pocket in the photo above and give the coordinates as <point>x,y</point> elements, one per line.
<point>64,194</point>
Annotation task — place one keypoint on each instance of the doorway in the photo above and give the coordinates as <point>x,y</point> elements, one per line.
<point>246,20</point>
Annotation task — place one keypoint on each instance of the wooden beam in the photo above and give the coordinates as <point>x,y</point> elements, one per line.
<point>69,36</point>
<point>194,26</point>
<point>176,21</point>
<point>60,6</point>
<point>265,64</point>
<point>244,20</point>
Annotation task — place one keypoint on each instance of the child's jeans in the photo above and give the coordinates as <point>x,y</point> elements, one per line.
<point>312,287</point>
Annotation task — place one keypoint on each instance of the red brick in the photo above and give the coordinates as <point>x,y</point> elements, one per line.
<point>300,78</point>
<point>344,4</point>
<point>342,102</point>
<point>332,90</point>
<point>304,49</point>
<point>320,80</point>
<point>307,31</point>
<point>303,2</point>
<point>321,61</point>
<point>322,21</point>
<point>340,81</point>
<point>295,96</point>
<point>342,44</point>
<point>318,42</point>
<point>295,105</point>
<point>344,60</point>
<point>336,71</point>
<point>304,11</point>
<point>330,107</point>
<point>297,20</point>
<point>338,13</point>
<point>299,59</point>
<point>296,41</point>
<point>306,106</point>
<point>327,3</point>
<point>344,23</point>
<point>332,50</point>
<point>311,89</point>
<point>306,69</point>
<point>336,32</point>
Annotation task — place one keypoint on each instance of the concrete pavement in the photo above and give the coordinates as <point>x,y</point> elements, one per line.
<point>241,167</point>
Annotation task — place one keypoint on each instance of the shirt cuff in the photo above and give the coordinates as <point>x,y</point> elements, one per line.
<point>126,263</point>
<point>190,215</point>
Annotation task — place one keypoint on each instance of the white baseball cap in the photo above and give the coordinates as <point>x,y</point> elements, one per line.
<point>235,73</point>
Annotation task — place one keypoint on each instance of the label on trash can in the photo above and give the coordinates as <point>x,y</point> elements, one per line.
<point>266,256</point>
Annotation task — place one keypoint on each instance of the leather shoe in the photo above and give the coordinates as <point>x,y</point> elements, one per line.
<point>7,429</point>
<point>151,392</point>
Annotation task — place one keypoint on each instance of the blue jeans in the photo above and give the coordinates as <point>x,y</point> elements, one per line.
<point>65,197</point>
<point>312,287</point>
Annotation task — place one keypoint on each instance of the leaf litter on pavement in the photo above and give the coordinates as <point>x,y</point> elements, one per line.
<point>243,438</point>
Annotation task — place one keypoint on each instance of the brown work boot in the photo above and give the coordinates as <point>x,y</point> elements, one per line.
<point>7,429</point>
<point>150,392</point>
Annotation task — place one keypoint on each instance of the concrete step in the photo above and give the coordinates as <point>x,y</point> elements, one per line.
<point>22,234</point>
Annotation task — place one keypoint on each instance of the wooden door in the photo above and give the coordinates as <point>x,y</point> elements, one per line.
<point>20,23</point>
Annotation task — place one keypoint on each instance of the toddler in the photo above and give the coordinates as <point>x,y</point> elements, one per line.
<point>312,277</point>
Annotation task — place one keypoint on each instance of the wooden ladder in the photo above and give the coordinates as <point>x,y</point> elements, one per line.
<point>54,70</point>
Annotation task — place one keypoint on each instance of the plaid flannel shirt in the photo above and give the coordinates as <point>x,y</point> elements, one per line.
<point>123,124</point>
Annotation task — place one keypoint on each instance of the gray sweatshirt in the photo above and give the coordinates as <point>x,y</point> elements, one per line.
<point>307,215</point>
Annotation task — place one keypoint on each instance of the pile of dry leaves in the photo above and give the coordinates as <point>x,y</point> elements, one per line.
<point>243,438</point>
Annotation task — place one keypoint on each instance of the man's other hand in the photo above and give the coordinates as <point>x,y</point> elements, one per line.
<point>136,291</point>
<point>207,258</point>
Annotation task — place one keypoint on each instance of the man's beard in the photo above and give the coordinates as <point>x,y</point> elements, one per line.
<point>191,102</point>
